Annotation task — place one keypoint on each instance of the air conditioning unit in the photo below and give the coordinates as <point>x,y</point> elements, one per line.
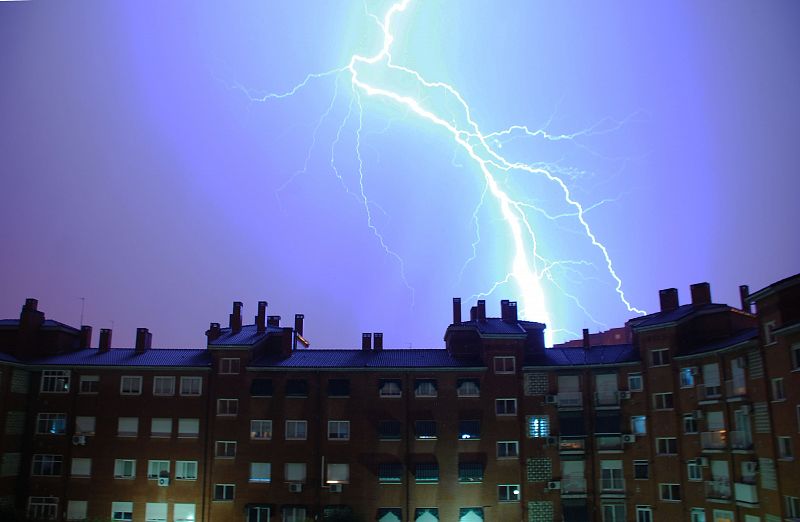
<point>79,440</point>
<point>552,440</point>
<point>625,394</point>
<point>551,399</point>
<point>628,438</point>
<point>335,488</point>
<point>554,485</point>
<point>698,414</point>
<point>295,487</point>
<point>163,481</point>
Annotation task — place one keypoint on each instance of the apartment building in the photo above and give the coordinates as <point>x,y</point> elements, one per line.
<point>694,416</point>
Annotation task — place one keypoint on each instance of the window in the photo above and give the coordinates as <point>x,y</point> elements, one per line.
<point>338,473</point>
<point>641,469</point>
<point>778,392</point>
<point>229,366</point>
<point>792,506</point>
<point>163,386</point>
<point>122,511</point>
<point>185,470</point>
<point>338,430</point>
<point>644,514</point>
<point>390,388</point>
<point>130,385</point>
<point>769,336</point>
<point>470,472</point>
<point>261,388</point>
<point>469,429</point>
<point>635,382</point>
<point>47,465</point>
<point>185,513</point>
<point>294,514</point>
<point>261,429</point>
<point>505,406</point>
<point>191,386</point>
<point>697,515</point>
<point>295,430</point>
<point>85,425</point>
<point>76,509</point>
<point>425,429</point>
<point>157,468</point>
<point>227,407</point>
<point>711,381</point>
<point>124,468</point>
<point>389,430</point>
<point>224,491</point>
<point>425,388</point>
<point>260,472</point>
<point>390,473</point>
<point>504,364</point>
<point>426,514</point>
<point>225,449</point>
<point>42,508</point>
<point>390,515</point>
<point>670,492</point>
<point>258,513</point>
<point>296,388</point>
<point>611,478</point>
<point>338,387</point>
<point>81,467</point>
<point>426,472</point>
<point>613,512</point>
<point>128,426</point>
<point>507,449</point>
<point>155,512</point>
<point>538,426</point>
<point>508,492</point>
<point>639,424</point>
<point>51,423</point>
<point>468,388</point>
<point>785,448</point>
<point>89,384</point>
<point>687,377</point>
<point>659,357</point>
<point>693,470</point>
<point>295,472</point>
<point>662,401</point>
<point>796,356</point>
<point>689,423</point>
<point>161,427</point>
<point>188,428</point>
<point>55,381</point>
<point>666,446</point>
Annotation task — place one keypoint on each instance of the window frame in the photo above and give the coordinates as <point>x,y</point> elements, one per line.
<point>121,511</point>
<point>93,385</point>
<point>694,471</point>
<point>260,480</point>
<point>644,513</point>
<point>184,468</point>
<point>186,434</point>
<point>777,389</point>
<point>635,421</point>
<point>505,402</point>
<point>229,366</point>
<point>296,423</point>
<point>120,473</point>
<point>638,466</point>
<point>505,454</point>
<point>159,379</point>
<point>469,429</point>
<point>507,493</point>
<point>691,373</point>
<point>785,448</point>
<point>161,434</point>
<point>662,359</point>
<point>501,366</point>
<point>473,385</point>
<point>666,441</point>
<point>129,380</point>
<point>50,421</point>
<point>227,407</point>
<point>187,381</point>
<point>671,489</point>
<point>386,388</point>
<point>41,462</point>
<point>42,508</point>
<point>225,449</point>
<point>689,424</point>
<point>663,401</point>
<point>80,462</point>
<point>537,426</point>
<point>338,434</point>
<point>635,377</point>
<point>426,389</point>
<point>58,381</point>
<point>224,493</point>
<point>126,433</point>
<point>151,464</point>
<point>421,431</point>
<point>261,424</point>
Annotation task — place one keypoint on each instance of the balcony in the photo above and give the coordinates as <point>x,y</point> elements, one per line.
<point>746,493</point>
<point>713,440</point>
<point>608,443</point>
<point>710,393</point>
<point>741,440</point>
<point>606,399</point>
<point>570,399</point>
<point>735,388</point>
<point>573,486</point>
<point>718,489</point>
<point>571,445</point>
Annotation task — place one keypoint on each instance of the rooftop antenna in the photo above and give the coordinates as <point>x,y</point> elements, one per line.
<point>83,304</point>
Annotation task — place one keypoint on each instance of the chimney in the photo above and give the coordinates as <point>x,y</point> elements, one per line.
<point>701,293</point>
<point>286,341</point>
<point>236,317</point>
<point>30,317</point>
<point>504,309</point>
<point>456,310</point>
<point>298,328</point>
<point>105,340</point>
<point>669,299</point>
<point>31,304</point>
<point>481,310</point>
<point>473,313</point>
<point>86,337</point>
<point>744,293</point>
<point>366,341</point>
<point>512,311</point>
<point>261,318</point>
<point>274,320</point>
<point>213,332</point>
<point>587,342</point>
<point>143,340</point>
<point>378,340</point>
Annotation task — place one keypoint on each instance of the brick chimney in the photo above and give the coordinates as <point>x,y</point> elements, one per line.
<point>105,340</point>
<point>377,339</point>
<point>86,337</point>
<point>30,318</point>
<point>143,340</point>
<point>669,299</point>
<point>587,341</point>
<point>366,341</point>
<point>298,328</point>
<point>504,309</point>
<point>456,310</point>
<point>236,317</point>
<point>261,318</point>
<point>744,293</point>
<point>701,294</point>
<point>274,320</point>
<point>512,312</point>
<point>473,313</point>
<point>481,310</point>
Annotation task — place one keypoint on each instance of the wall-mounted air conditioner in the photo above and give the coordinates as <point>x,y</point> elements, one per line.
<point>554,485</point>
<point>335,488</point>
<point>163,481</point>
<point>79,440</point>
<point>551,399</point>
<point>295,487</point>
<point>628,438</point>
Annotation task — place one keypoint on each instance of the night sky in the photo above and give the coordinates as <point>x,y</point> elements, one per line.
<point>146,168</point>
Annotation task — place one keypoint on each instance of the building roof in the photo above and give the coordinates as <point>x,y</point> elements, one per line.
<point>47,323</point>
<point>128,357</point>
<point>745,335</point>
<point>774,287</point>
<point>596,355</point>
<point>373,359</point>
<point>673,316</point>
<point>247,336</point>
<point>497,326</point>
<point>4,357</point>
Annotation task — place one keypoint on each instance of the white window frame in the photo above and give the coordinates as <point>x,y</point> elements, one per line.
<point>785,449</point>
<point>230,366</point>
<point>694,471</point>
<point>501,407</point>
<point>792,506</point>
<point>507,449</point>
<point>130,385</point>
<point>777,389</point>
<point>640,463</point>
<point>42,508</point>
<point>76,509</point>
<point>666,445</point>
<point>85,425</point>
<point>225,449</point>
<point>156,511</point>
<point>769,337</point>
<point>389,388</point>
<point>508,493</point>
<point>120,471</point>
<point>697,515</point>
<point>228,493</point>
<point>663,401</point>
<point>426,388</point>
<point>227,407</point>
<point>615,516</point>
<point>293,429</point>
<point>338,430</point>
<point>644,514</point>
<point>295,472</point>
<point>121,511</point>
<point>47,422</point>
<point>188,385</point>
<point>638,419</point>
<point>156,467</point>
<point>185,470</point>
<point>635,382</point>
<point>92,381</point>
<point>184,512</point>
<point>159,382</point>
<point>80,467</point>
<point>690,424</point>
<point>469,388</point>
<point>55,381</point>
<point>504,364</point>
<point>259,427</point>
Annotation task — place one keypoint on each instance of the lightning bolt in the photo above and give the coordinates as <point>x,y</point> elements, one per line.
<point>528,268</point>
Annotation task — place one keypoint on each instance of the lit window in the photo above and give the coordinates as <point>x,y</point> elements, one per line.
<point>635,382</point>
<point>128,426</point>
<point>89,384</point>
<point>507,449</point>
<point>698,515</point>
<point>51,423</point>
<point>130,385</point>
<point>337,473</point>
<point>390,473</point>
<point>55,381</point>
<point>425,388</point>
<point>161,427</point>
<point>666,446</point>
<point>229,366</point>
<point>191,386</point>
<point>505,406</point>
<point>662,401</point>
<point>425,429</point>
<point>508,492</point>
<point>644,514</point>
<point>188,428</point>
<point>124,468</point>
<point>670,492</point>
<point>687,377</point>
<point>641,469</point>
<point>227,406</point>
<point>296,430</point>
<point>164,385</point>
<point>469,429</point>
<point>121,511</point>
<point>224,491</point>
<point>468,388</point>
<point>638,424</point>
<point>81,467</point>
<point>504,364</point>
<point>261,429</point>
<point>157,469</point>
<point>426,472</point>
<point>260,472</point>
<point>42,508</point>
<point>226,449</point>
<point>185,513</point>
<point>389,430</point>
<point>155,512</point>
<point>185,470</point>
<point>295,472</point>
<point>338,430</point>
<point>47,465</point>
<point>785,447</point>
<point>659,357</point>
<point>538,426</point>
<point>390,388</point>
<point>76,509</point>
<point>778,392</point>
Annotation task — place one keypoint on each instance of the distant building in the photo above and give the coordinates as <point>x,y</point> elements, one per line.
<point>694,416</point>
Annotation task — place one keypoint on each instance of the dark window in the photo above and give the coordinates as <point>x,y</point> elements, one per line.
<point>390,472</point>
<point>425,429</point>
<point>608,423</point>
<point>296,388</point>
<point>469,429</point>
<point>427,472</point>
<point>468,387</point>
<point>338,388</point>
<point>425,388</point>
<point>389,430</point>
<point>572,424</point>
<point>641,469</point>
<point>470,472</point>
<point>261,388</point>
<point>223,491</point>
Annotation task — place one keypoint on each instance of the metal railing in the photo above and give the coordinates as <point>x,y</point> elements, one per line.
<point>741,440</point>
<point>570,399</point>
<point>718,489</point>
<point>746,492</point>
<point>713,440</point>
<point>570,444</point>
<point>573,485</point>
<point>608,442</point>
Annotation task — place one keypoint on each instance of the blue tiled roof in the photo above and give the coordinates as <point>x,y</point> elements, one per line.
<point>128,357</point>
<point>387,358</point>
<point>672,316</point>
<point>496,326</point>
<point>740,337</point>
<point>4,357</point>
<point>247,336</point>
<point>611,354</point>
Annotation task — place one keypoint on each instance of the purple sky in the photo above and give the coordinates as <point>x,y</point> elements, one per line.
<point>136,175</point>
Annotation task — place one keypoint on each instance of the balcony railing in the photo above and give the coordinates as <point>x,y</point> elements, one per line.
<point>606,398</point>
<point>569,444</point>
<point>718,489</point>
<point>713,440</point>
<point>746,493</point>
<point>741,440</point>
<point>710,392</point>
<point>570,400</point>
<point>735,388</point>
<point>608,442</point>
<point>573,485</point>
